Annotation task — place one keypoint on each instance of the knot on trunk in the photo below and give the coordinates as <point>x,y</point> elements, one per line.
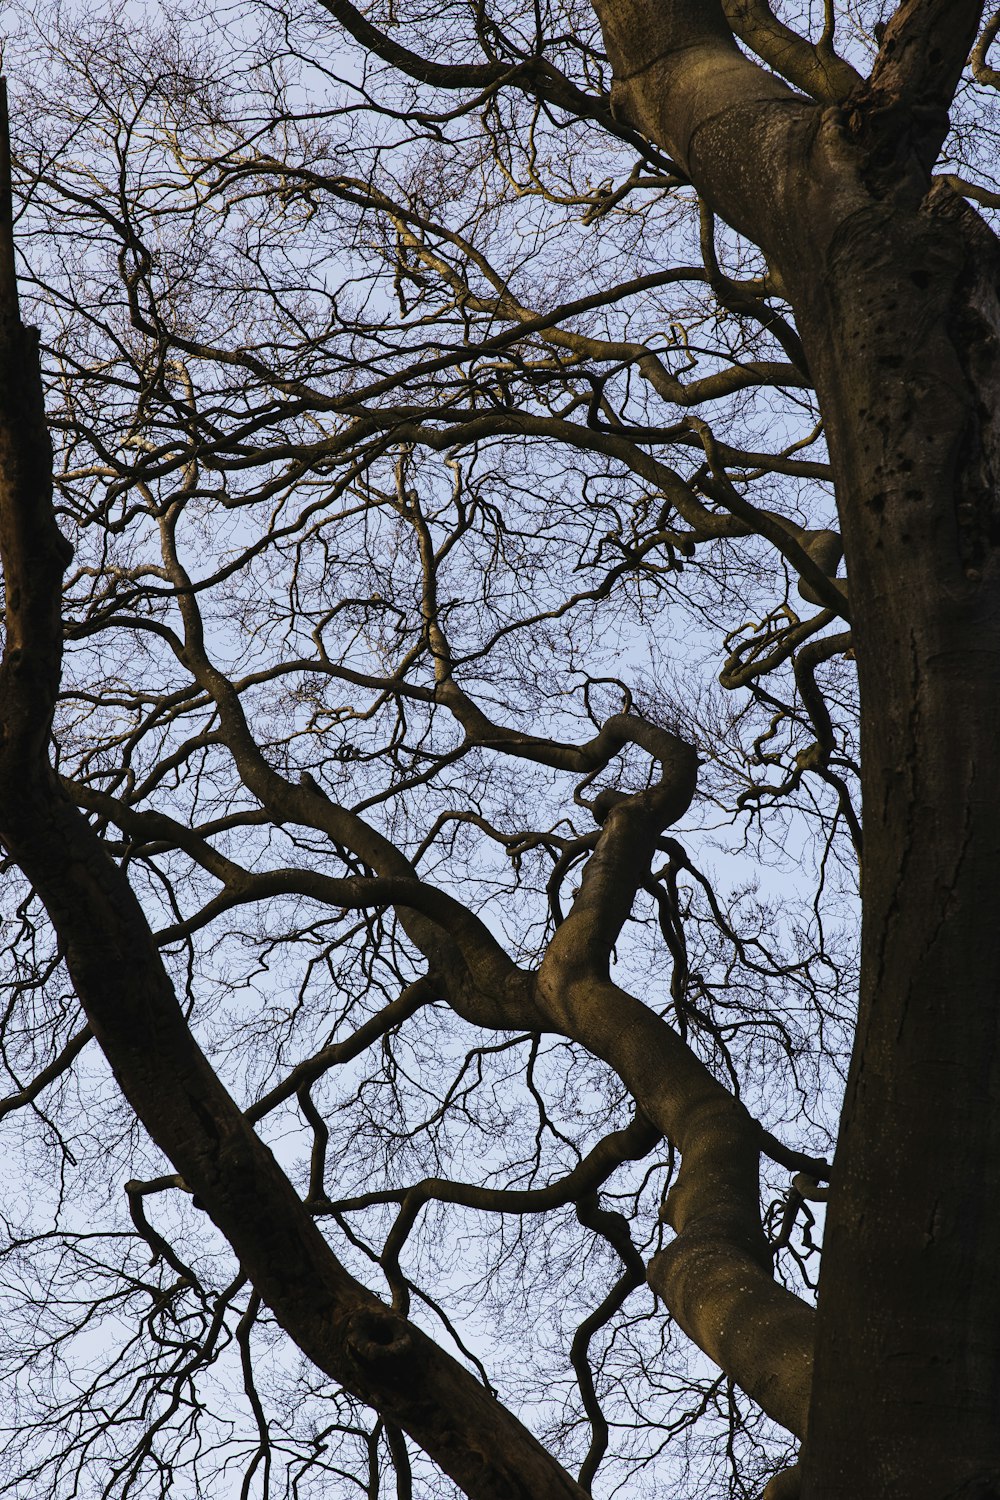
<point>377,1336</point>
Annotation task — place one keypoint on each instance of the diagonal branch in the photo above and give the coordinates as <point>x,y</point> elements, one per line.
<point>716,1276</point>
<point>136,1018</point>
<point>534,76</point>
<point>814,68</point>
<point>53,1070</point>
<point>924,49</point>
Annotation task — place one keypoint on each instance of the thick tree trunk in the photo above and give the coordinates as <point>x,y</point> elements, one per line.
<point>894,291</point>
<point>902,332</point>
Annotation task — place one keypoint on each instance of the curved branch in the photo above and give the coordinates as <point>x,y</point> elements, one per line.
<point>614,1228</point>
<point>533,76</point>
<point>785,1485</point>
<point>630,1144</point>
<point>814,68</point>
<point>716,1277</point>
<point>135,1015</point>
<point>981,71</point>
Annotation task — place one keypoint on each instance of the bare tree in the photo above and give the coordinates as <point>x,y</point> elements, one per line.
<point>435,726</point>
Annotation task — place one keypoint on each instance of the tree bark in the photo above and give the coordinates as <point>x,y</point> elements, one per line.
<point>893,284</point>
<point>903,339</point>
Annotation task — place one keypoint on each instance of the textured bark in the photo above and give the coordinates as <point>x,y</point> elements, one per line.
<point>896,1384</point>
<point>906,344</point>
<point>894,289</point>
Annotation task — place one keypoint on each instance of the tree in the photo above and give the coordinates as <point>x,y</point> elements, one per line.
<point>432,628</point>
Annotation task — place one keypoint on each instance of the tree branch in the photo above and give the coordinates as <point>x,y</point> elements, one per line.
<point>534,76</point>
<point>924,49</point>
<point>134,1013</point>
<point>815,69</point>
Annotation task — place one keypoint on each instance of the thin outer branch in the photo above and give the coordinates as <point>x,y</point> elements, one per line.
<point>135,1015</point>
<point>48,1074</point>
<point>306,1072</point>
<point>630,1144</point>
<point>614,1229</point>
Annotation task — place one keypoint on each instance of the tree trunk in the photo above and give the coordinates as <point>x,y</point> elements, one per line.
<point>901,329</point>
<point>893,284</point>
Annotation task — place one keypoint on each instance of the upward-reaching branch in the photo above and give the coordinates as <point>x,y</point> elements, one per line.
<point>923,51</point>
<point>133,1011</point>
<point>814,68</point>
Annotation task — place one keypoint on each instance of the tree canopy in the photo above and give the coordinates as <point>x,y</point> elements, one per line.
<point>435,718</point>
